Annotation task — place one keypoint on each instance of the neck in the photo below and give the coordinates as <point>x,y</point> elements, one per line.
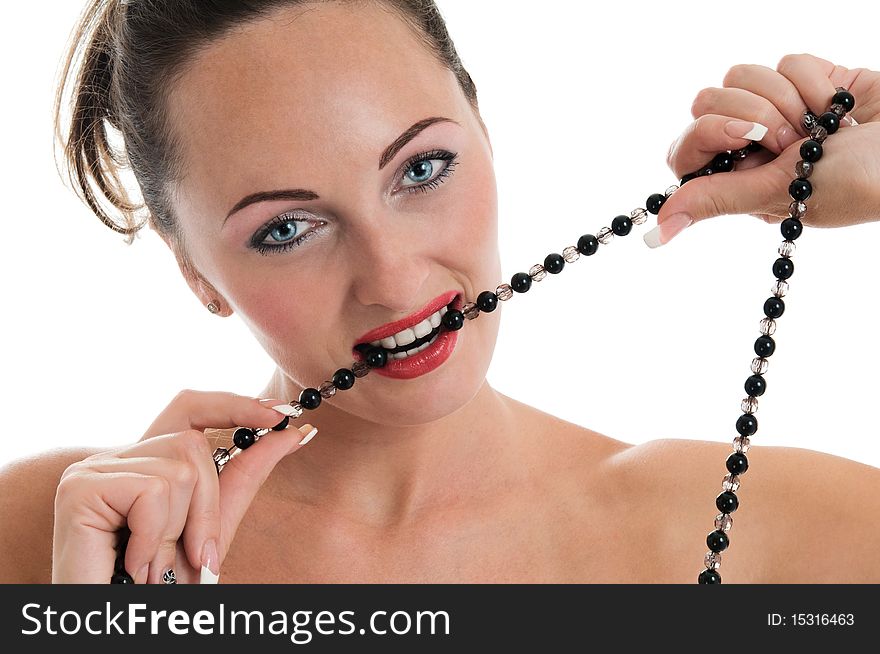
<point>386,474</point>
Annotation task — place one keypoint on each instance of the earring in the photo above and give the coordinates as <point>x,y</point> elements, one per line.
<point>213,308</point>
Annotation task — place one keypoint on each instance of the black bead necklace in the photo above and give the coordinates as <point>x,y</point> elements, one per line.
<point>453,319</point>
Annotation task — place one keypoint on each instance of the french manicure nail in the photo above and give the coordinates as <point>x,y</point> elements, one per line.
<point>742,129</point>
<point>308,436</point>
<point>141,576</point>
<point>208,577</point>
<point>287,410</point>
<point>210,558</point>
<point>665,231</point>
<point>785,136</point>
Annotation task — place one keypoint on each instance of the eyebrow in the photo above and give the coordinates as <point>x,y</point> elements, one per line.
<point>301,194</point>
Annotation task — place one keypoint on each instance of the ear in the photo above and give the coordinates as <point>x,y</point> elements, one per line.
<point>194,279</point>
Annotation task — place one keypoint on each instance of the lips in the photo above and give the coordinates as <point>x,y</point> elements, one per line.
<point>393,327</point>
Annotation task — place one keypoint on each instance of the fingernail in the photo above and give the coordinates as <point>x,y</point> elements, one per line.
<point>168,577</point>
<point>785,136</point>
<point>849,119</point>
<point>287,410</point>
<point>742,129</point>
<point>208,577</point>
<point>141,576</point>
<point>665,231</point>
<point>308,436</point>
<point>210,558</point>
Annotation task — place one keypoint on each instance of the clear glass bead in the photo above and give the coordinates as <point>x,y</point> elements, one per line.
<point>767,326</point>
<point>537,272</point>
<point>504,292</point>
<point>571,254</point>
<point>786,248</point>
<point>327,389</point>
<point>221,456</point>
<point>760,365</point>
<point>797,209</point>
<point>741,444</point>
<point>605,235</point>
<point>723,522</point>
<point>731,482</point>
<point>740,154</point>
<point>470,310</point>
<point>296,409</point>
<point>638,216</point>
<point>803,169</point>
<point>818,133</point>
<point>749,404</point>
<point>839,110</point>
<point>670,190</point>
<point>780,288</point>
<point>712,560</point>
<point>360,369</point>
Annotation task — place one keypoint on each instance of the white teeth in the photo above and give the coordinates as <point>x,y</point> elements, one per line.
<point>375,343</point>
<point>389,343</point>
<point>399,355</point>
<point>434,319</point>
<point>415,350</point>
<point>443,311</point>
<point>423,328</point>
<point>405,337</point>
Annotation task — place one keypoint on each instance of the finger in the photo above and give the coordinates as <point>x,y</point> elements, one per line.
<point>778,90</point>
<point>746,105</point>
<point>181,476</point>
<point>753,191</point>
<point>811,77</point>
<point>707,136</point>
<point>200,410</point>
<point>90,509</point>
<point>245,473</point>
<point>203,515</point>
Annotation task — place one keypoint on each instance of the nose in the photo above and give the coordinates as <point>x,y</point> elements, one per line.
<point>391,267</point>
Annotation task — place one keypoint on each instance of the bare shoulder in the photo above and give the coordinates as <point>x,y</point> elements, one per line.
<point>27,512</point>
<point>803,517</point>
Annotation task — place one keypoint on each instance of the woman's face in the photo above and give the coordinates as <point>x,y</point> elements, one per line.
<point>311,99</point>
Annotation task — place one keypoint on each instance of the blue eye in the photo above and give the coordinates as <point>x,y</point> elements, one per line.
<point>421,169</point>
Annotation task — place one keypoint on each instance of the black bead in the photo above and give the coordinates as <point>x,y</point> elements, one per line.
<point>520,282</point>
<point>282,425</point>
<point>755,385</point>
<point>708,170</point>
<point>791,228</point>
<point>587,244</point>
<point>377,357</point>
<point>343,379</point>
<point>783,268</point>
<point>811,150</point>
<point>244,438</point>
<point>737,463</point>
<point>727,502</point>
<point>747,424</point>
<point>709,577</point>
<point>722,162</point>
<point>800,189</point>
<point>829,121</point>
<point>753,146</point>
<point>774,307</point>
<point>654,202</point>
<point>621,225</point>
<point>554,263</point>
<point>765,346</point>
<point>845,98</point>
<point>310,398</point>
<point>121,578</point>
<point>687,178</point>
<point>453,320</point>
<point>487,302</point>
<point>717,540</point>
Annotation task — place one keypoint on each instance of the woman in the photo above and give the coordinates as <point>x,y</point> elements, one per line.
<point>424,473</point>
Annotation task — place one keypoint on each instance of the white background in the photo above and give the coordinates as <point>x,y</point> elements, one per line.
<point>582,101</point>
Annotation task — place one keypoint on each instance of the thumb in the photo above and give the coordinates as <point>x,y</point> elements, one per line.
<point>244,475</point>
<point>757,190</point>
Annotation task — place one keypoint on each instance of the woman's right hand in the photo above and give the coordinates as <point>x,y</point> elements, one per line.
<point>165,487</point>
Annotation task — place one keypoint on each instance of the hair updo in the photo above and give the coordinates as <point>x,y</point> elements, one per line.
<point>130,52</point>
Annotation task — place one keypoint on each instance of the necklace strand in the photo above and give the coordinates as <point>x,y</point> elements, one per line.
<point>454,318</point>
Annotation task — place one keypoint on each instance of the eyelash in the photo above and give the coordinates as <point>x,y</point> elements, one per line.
<point>449,157</point>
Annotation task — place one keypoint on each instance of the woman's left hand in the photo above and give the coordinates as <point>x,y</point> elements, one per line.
<point>846,181</point>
